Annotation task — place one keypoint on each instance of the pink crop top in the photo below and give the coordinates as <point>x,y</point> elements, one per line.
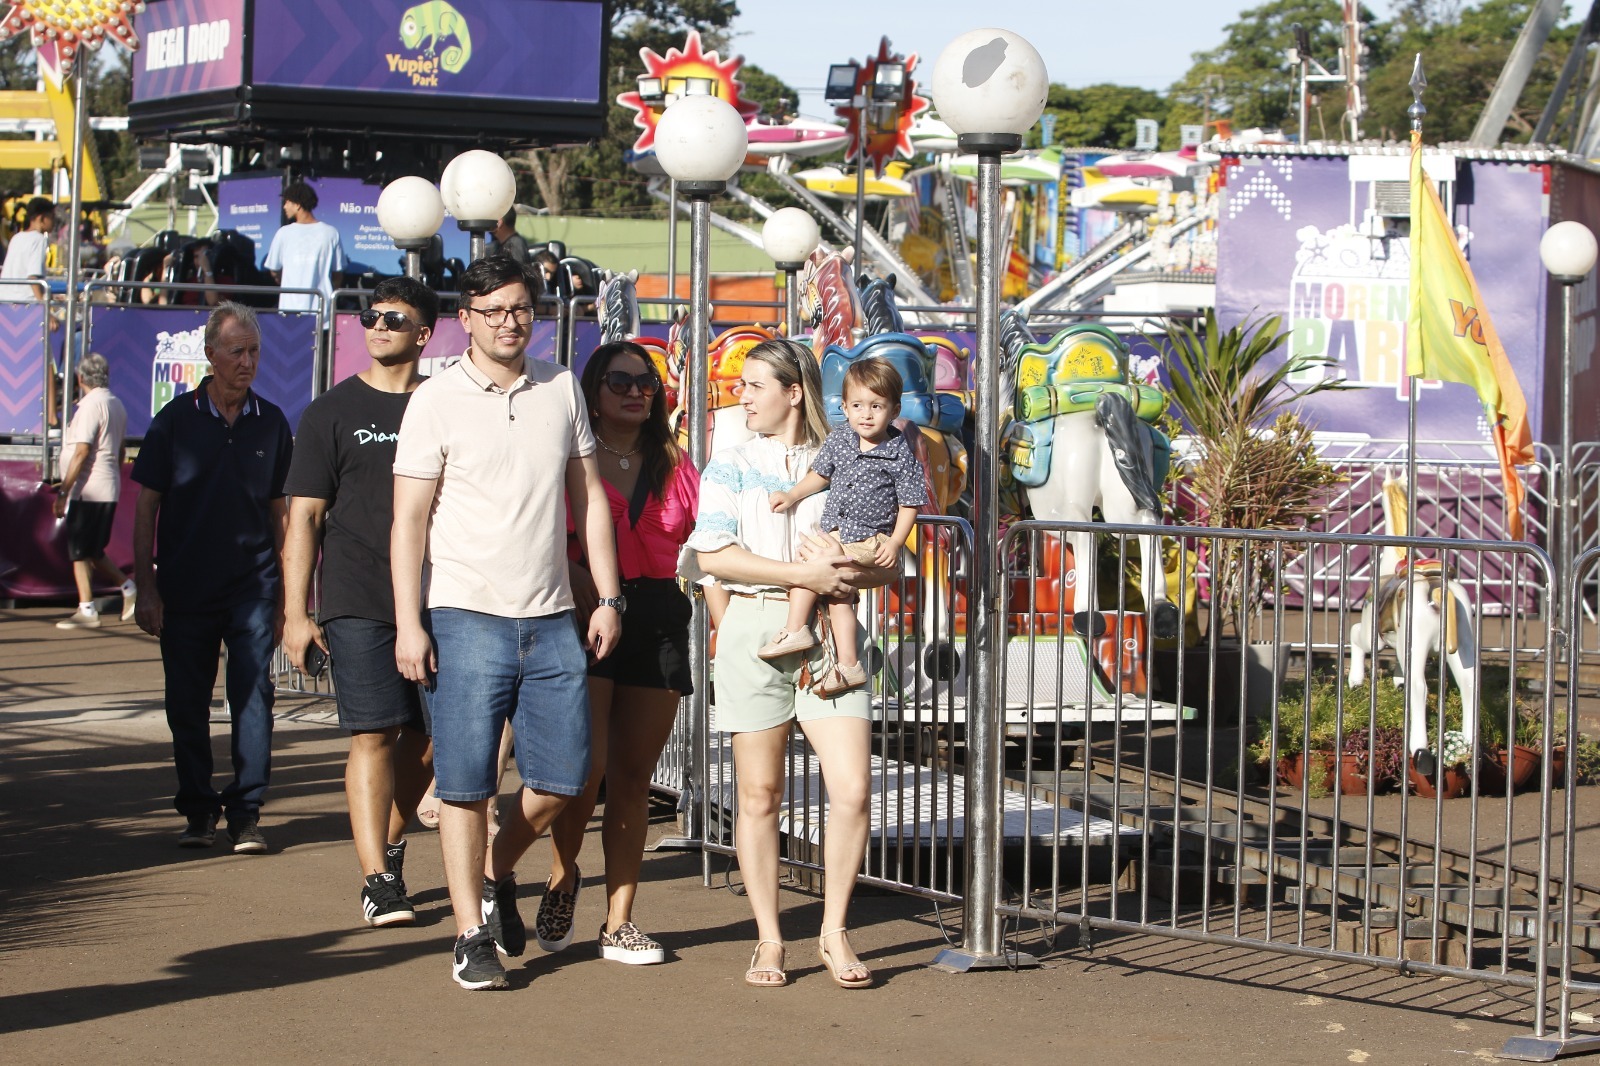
<point>650,549</point>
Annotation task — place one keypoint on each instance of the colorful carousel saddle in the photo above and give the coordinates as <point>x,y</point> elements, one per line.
<point>919,403</point>
<point>1082,368</point>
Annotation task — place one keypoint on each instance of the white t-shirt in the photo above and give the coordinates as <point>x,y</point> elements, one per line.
<point>25,258</point>
<point>497,535</point>
<point>100,422</point>
<point>305,255</point>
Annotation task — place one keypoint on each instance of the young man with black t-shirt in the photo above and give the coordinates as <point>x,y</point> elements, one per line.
<point>341,489</point>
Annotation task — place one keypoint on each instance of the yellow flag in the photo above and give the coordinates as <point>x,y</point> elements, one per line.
<point>1450,338</point>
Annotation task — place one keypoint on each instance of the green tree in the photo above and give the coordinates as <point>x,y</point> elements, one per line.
<point>1100,116</point>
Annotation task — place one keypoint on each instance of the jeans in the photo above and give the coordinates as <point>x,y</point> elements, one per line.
<point>528,671</point>
<point>190,646</point>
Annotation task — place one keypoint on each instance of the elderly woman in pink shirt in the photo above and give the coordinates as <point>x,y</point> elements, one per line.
<point>634,692</point>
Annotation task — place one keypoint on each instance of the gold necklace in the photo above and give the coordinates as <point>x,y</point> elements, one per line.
<point>622,457</point>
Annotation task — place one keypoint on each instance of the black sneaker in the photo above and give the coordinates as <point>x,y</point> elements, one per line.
<point>247,839</point>
<point>383,901</point>
<point>500,916</point>
<point>394,861</point>
<point>201,832</point>
<point>628,945</point>
<point>474,964</point>
<point>553,924</point>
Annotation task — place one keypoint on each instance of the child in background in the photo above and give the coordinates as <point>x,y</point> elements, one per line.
<point>876,483</point>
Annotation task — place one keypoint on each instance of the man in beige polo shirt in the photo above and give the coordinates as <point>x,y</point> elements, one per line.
<point>90,487</point>
<point>492,451</point>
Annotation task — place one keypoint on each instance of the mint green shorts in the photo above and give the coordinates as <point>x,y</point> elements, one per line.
<point>753,694</point>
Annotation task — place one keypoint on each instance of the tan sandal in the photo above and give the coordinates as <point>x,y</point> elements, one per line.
<point>749,975</point>
<point>837,972</point>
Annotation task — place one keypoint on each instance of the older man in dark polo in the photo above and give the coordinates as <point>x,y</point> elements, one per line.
<point>208,530</point>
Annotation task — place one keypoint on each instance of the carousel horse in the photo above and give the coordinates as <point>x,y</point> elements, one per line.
<point>1072,395</point>
<point>617,305</point>
<point>725,355</point>
<point>1441,623</point>
<point>828,300</point>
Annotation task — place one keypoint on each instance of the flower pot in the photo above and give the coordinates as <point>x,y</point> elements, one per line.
<point>1519,763</point>
<point>1292,770</point>
<point>1558,767</point>
<point>1454,781</point>
<point>1353,775</point>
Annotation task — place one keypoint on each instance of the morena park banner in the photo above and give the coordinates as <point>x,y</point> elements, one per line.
<point>507,50</point>
<point>158,353</point>
<point>1303,238</point>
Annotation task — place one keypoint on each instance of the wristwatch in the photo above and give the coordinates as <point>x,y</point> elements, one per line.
<point>618,602</point>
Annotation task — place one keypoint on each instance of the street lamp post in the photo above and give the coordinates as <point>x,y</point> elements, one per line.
<point>478,189</point>
<point>1567,250</point>
<point>989,85</point>
<point>700,141</point>
<point>410,210</point>
<point>789,237</point>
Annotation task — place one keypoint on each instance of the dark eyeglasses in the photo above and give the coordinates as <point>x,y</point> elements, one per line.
<point>393,320</point>
<point>618,382</point>
<point>495,317</point>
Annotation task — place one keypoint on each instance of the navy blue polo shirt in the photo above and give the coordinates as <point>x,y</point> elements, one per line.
<point>215,546</point>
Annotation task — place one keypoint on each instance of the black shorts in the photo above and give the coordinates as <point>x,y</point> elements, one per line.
<point>368,686</point>
<point>88,529</point>
<point>654,650</point>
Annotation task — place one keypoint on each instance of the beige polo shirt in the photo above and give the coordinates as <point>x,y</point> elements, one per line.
<point>497,531</point>
<point>100,422</point>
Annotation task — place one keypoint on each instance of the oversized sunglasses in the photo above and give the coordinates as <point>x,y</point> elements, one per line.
<point>394,320</point>
<point>619,382</point>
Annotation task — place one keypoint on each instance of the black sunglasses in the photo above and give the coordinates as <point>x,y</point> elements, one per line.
<point>394,320</point>
<point>618,382</point>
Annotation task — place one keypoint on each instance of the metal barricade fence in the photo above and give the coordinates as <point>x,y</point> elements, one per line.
<point>916,633</point>
<point>1463,498</point>
<point>1262,820</point>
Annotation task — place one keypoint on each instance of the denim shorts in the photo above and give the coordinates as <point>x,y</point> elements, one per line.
<point>530,671</point>
<point>370,691</point>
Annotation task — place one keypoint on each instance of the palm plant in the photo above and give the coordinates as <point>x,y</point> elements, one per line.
<point>1256,465</point>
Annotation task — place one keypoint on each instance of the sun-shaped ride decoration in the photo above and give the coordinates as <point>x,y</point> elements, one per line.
<point>889,131</point>
<point>61,27</point>
<point>673,71</point>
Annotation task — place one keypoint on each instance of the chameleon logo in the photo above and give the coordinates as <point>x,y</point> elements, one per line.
<point>436,22</point>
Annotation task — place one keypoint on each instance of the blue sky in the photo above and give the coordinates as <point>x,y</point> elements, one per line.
<point>1146,43</point>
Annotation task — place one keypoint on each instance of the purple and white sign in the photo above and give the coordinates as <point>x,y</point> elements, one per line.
<point>1303,238</point>
<point>253,206</point>
<point>189,46</point>
<point>544,50</point>
<point>157,353</point>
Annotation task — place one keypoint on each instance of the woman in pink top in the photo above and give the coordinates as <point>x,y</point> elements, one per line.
<point>634,692</point>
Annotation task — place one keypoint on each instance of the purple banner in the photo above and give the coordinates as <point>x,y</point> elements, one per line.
<point>546,50</point>
<point>157,353</point>
<point>21,368</point>
<point>253,206</point>
<point>33,545</point>
<point>189,46</point>
<point>1301,238</point>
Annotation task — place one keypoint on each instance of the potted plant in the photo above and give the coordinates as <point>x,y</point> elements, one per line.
<point>1250,462</point>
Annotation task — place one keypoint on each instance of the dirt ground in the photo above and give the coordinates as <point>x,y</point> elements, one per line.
<point>116,946</point>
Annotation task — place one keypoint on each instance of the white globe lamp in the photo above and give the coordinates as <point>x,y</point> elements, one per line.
<point>478,185</point>
<point>989,86</point>
<point>410,210</point>
<point>789,237</point>
<point>701,142</point>
<point>1567,250</point>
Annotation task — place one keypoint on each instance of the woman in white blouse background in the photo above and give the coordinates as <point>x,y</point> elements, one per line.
<point>756,556</point>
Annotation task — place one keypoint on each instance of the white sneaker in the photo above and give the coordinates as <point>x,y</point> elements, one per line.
<point>129,603</point>
<point>80,619</point>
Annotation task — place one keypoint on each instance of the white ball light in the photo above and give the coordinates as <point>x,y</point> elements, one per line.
<point>478,186</point>
<point>701,138</point>
<point>989,81</point>
<point>410,208</point>
<point>790,235</point>
<point>1567,250</point>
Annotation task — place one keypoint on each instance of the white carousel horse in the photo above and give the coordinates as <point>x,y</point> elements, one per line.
<point>1079,418</point>
<point>1441,621</point>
